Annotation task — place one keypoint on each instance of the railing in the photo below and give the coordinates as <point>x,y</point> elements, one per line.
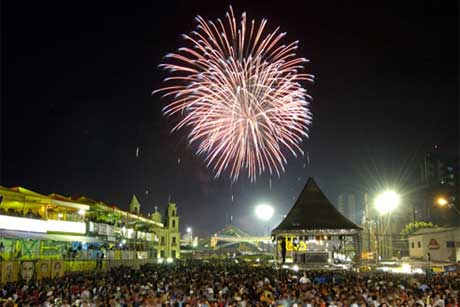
<point>15,223</point>
<point>18,223</point>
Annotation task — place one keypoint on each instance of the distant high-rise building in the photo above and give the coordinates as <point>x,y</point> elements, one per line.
<point>352,207</point>
<point>341,206</point>
<point>439,177</point>
<point>348,205</point>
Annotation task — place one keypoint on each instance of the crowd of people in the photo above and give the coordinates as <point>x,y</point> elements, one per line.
<point>205,284</point>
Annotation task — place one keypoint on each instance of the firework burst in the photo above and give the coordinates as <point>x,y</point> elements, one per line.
<point>237,90</point>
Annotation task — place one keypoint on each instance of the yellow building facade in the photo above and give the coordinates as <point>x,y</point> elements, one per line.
<point>54,232</point>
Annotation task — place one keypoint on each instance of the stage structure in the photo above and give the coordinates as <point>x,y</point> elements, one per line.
<point>315,233</point>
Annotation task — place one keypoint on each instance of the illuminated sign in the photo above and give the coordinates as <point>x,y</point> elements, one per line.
<point>367,255</point>
<point>433,244</point>
<point>294,244</point>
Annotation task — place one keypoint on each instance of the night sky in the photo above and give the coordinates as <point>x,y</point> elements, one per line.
<point>77,79</point>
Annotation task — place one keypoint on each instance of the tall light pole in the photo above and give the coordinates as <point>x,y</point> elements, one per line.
<point>385,203</point>
<point>189,235</point>
<point>443,202</point>
<point>264,213</point>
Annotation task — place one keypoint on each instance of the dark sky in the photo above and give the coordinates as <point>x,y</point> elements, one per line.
<point>76,91</point>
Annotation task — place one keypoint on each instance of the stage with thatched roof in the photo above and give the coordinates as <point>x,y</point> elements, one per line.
<point>314,232</point>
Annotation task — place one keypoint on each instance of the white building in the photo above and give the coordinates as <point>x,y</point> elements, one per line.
<point>441,244</point>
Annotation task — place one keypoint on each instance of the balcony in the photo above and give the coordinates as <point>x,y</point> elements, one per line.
<point>15,223</point>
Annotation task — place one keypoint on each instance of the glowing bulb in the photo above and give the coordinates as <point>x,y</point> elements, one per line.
<point>387,202</point>
<point>264,212</point>
<point>441,201</point>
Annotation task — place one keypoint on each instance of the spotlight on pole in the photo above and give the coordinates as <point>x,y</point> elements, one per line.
<point>387,202</point>
<point>264,212</point>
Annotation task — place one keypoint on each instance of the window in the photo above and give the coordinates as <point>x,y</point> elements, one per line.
<point>174,213</point>
<point>419,244</point>
<point>162,240</point>
<point>412,245</point>
<point>174,223</point>
<point>173,241</point>
<point>173,254</point>
<point>162,254</point>
<point>450,244</point>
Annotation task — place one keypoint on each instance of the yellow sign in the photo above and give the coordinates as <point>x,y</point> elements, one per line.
<point>57,268</point>
<point>43,269</point>
<point>27,271</point>
<point>213,242</point>
<point>295,245</point>
<point>367,255</point>
<point>80,266</point>
<point>10,270</point>
<point>117,255</point>
<point>267,297</point>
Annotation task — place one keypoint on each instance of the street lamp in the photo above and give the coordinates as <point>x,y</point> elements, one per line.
<point>265,212</point>
<point>189,235</point>
<point>442,201</point>
<point>385,203</point>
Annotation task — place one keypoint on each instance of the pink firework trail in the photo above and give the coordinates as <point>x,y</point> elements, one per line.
<point>237,89</point>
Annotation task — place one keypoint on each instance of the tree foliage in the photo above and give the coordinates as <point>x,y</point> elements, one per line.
<point>414,226</point>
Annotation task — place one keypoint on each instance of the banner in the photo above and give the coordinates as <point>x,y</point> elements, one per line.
<point>79,266</point>
<point>110,255</point>
<point>142,255</point>
<point>43,269</point>
<point>57,268</point>
<point>117,255</point>
<point>102,229</point>
<point>367,255</point>
<point>10,270</point>
<point>126,255</point>
<point>27,271</point>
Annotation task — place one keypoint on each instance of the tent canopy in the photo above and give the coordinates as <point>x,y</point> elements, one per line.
<point>314,212</point>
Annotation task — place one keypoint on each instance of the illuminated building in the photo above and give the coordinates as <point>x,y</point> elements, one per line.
<point>440,244</point>
<point>37,227</point>
<point>350,207</point>
<point>439,176</point>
